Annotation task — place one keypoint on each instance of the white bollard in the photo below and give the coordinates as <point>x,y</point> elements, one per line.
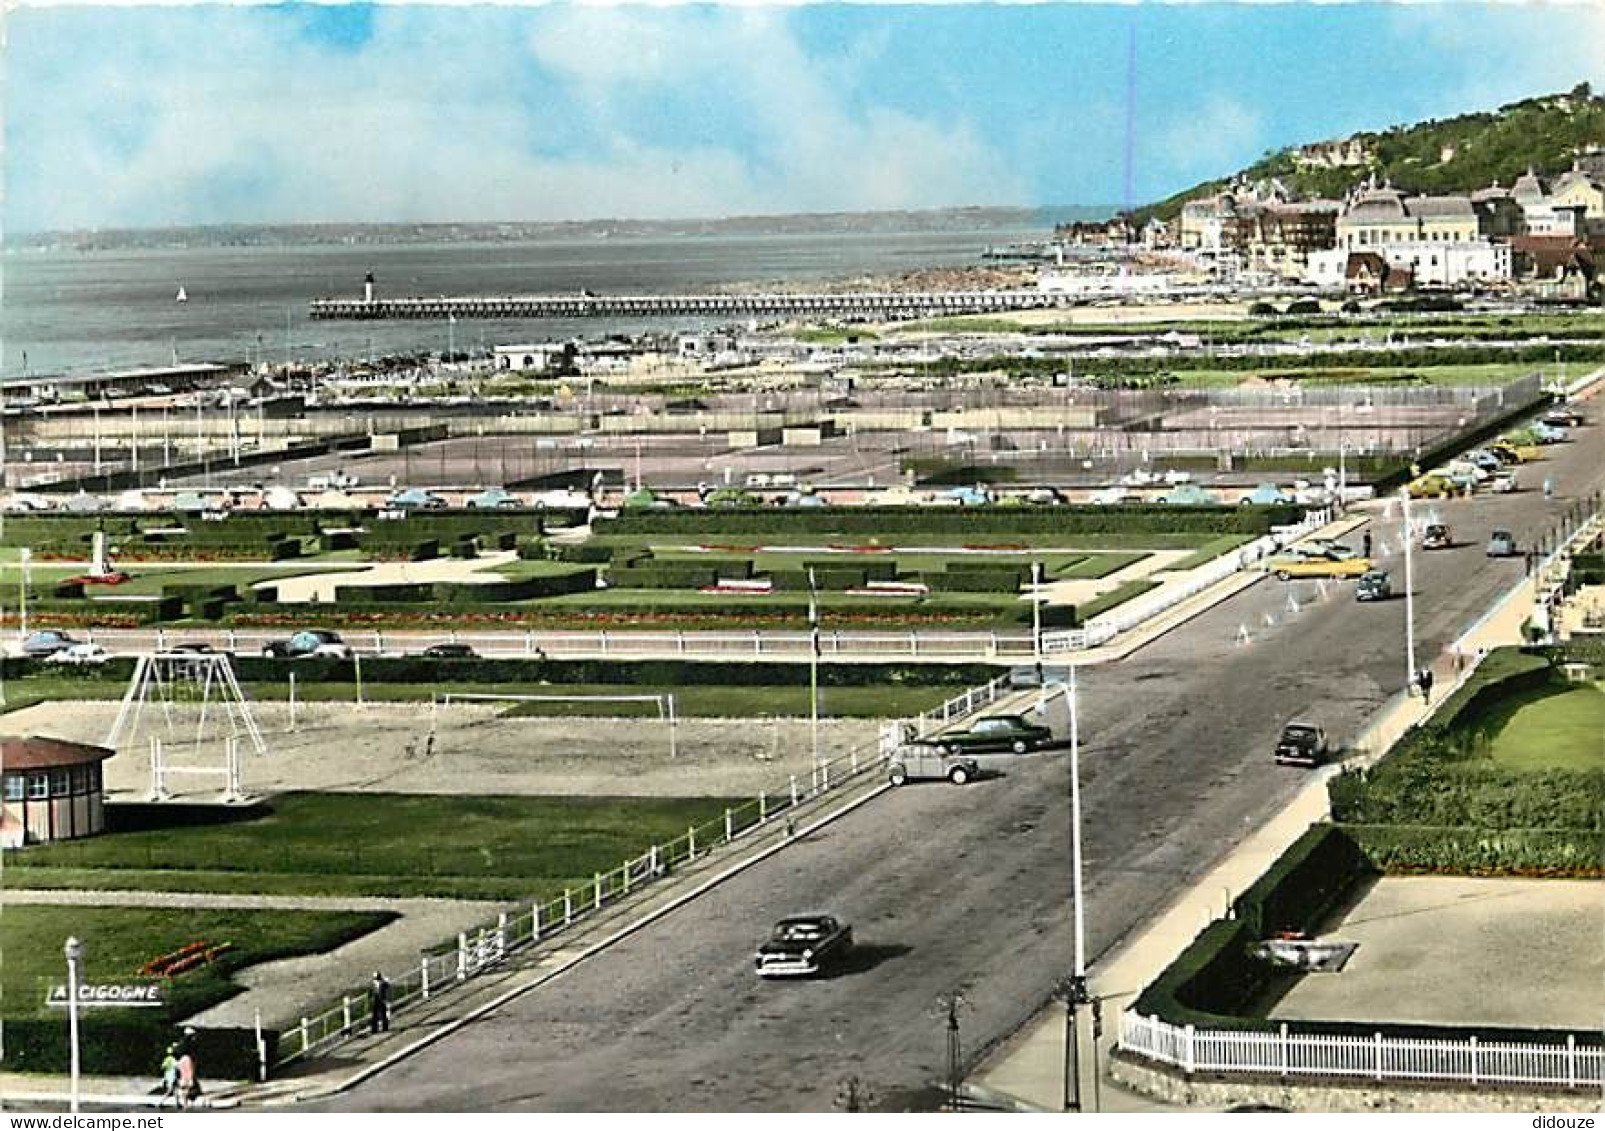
<point>423,975</point>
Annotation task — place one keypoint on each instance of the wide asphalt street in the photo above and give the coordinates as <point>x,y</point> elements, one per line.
<point>967,888</point>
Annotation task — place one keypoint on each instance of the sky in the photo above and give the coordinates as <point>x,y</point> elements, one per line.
<point>173,115</point>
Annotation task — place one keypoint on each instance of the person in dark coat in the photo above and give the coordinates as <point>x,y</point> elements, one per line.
<point>378,1004</point>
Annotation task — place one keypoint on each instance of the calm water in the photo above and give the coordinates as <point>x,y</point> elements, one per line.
<point>71,311</point>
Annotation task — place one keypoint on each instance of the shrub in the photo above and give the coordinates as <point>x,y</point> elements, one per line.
<point>130,1046</point>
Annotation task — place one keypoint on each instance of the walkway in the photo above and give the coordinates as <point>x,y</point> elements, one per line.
<point>320,587</point>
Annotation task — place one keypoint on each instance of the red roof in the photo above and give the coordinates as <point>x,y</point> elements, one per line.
<point>33,753</point>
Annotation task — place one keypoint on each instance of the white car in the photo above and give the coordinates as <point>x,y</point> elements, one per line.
<point>1174,477</point>
<point>79,655</point>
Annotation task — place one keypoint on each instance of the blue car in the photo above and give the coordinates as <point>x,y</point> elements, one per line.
<point>494,499</point>
<point>416,498</point>
<point>1265,495</point>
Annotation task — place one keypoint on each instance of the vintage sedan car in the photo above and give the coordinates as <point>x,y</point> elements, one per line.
<point>45,642</point>
<point>996,733</point>
<point>416,498</point>
<point>927,761</point>
<point>1437,536</point>
<point>449,652</point>
<point>1297,563</point>
<point>1373,586</point>
<point>316,643</point>
<point>802,945</point>
<point>1560,417</point>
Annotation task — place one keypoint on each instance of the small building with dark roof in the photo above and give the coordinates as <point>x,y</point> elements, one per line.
<point>50,789</point>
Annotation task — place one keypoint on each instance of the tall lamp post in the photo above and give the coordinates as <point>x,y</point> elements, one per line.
<point>1409,596</point>
<point>74,951</point>
<point>1072,989</point>
<point>813,673</point>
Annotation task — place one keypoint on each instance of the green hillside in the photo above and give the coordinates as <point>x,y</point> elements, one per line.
<point>1540,133</point>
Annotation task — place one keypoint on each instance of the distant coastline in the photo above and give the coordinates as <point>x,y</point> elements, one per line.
<point>302,235</point>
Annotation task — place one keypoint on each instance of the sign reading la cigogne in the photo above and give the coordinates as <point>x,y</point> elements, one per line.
<point>93,995</point>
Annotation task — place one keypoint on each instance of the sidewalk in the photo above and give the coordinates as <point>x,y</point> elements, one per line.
<point>1028,1069</point>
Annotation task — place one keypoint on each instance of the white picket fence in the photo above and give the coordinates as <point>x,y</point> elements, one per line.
<point>1375,1057</point>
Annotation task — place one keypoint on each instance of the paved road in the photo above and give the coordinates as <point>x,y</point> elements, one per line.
<point>968,888</point>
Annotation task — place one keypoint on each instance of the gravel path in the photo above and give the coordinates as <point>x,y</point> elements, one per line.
<point>290,987</point>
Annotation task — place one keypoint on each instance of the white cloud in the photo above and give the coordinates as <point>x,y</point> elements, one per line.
<point>440,116</point>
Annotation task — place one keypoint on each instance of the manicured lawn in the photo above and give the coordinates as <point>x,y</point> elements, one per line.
<point>372,843</point>
<point>1211,550</point>
<point>119,940</point>
<point>1551,729</point>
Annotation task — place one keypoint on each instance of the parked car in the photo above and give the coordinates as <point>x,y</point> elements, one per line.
<point>1315,563</point>
<point>1332,548</point>
<point>1302,744</point>
<point>312,643</point>
<point>191,648</point>
<point>1373,585</point>
<point>1483,459</point>
<point>416,498</point>
<point>1188,495</point>
<point>1265,495</point>
<point>1502,544</point>
<point>494,499</point>
<point>927,761</point>
<point>1562,417</point>
<point>803,945</point>
<point>1432,486</point>
<point>79,655</point>
<point>449,652</point>
<point>1504,482</point>
<point>997,732</point>
<point>45,642</point>
<point>1437,536</point>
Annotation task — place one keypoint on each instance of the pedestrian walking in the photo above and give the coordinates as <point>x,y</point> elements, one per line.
<point>1365,542</point>
<point>189,1084</point>
<point>378,1004</point>
<point>169,1077</point>
<point>1424,681</point>
<point>1549,487</point>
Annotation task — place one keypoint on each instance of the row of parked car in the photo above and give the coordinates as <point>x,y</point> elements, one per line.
<point>56,646</point>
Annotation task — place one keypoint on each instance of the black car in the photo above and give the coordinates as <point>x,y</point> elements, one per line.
<point>449,652</point>
<point>802,945</point>
<point>191,648</point>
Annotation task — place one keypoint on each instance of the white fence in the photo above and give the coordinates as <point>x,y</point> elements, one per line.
<point>1374,1057</point>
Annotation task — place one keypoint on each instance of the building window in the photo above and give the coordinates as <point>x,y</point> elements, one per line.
<point>13,787</point>
<point>80,779</point>
<point>38,786</point>
<point>60,782</point>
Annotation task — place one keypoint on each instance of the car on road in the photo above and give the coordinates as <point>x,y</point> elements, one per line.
<point>1504,482</point>
<point>79,655</point>
<point>996,733</point>
<point>45,642</point>
<point>1501,544</point>
<point>1548,433</point>
<point>494,499</point>
<point>1306,563</point>
<point>1373,585</point>
<point>1432,486</point>
<point>416,499</point>
<point>1484,459</point>
<point>927,761</point>
<point>803,945</point>
<point>449,652</point>
<point>1437,536</point>
<point>1561,417</point>
<point>315,643</point>
<point>1302,744</point>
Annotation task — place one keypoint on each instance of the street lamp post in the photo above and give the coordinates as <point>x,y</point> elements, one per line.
<point>1036,624</point>
<point>1409,596</point>
<point>74,951</point>
<point>1073,988</point>
<point>813,673</point>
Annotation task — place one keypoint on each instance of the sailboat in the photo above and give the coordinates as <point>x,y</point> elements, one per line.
<point>182,296</point>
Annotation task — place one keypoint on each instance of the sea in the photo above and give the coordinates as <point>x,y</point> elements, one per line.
<point>89,311</point>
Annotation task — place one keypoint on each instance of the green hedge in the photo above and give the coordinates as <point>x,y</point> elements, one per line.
<point>963,522</point>
<point>130,1046</point>
<point>977,579</point>
<point>834,579</point>
<point>660,576</point>
<point>1457,850</point>
<point>1304,884</point>
<point>1117,596</point>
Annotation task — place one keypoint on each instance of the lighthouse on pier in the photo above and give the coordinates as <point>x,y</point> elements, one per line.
<point>367,288</point>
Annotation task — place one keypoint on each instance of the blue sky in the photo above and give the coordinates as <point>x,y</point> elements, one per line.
<point>306,113</point>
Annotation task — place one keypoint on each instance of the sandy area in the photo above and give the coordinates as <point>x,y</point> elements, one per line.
<point>387,748</point>
<point>321,586</point>
<point>1455,950</point>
